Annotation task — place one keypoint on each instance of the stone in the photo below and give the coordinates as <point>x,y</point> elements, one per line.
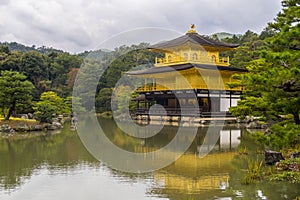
<point>12,131</point>
<point>5,128</point>
<point>272,157</point>
<point>55,120</point>
<point>22,128</point>
<point>60,118</point>
<point>57,125</point>
<point>24,116</point>
<point>253,125</point>
<point>37,127</point>
<point>30,116</point>
<point>51,127</point>
<point>73,128</point>
<point>295,155</point>
<point>249,119</point>
<point>63,120</point>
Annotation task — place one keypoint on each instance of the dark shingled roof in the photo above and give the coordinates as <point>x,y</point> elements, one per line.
<point>163,69</point>
<point>194,38</point>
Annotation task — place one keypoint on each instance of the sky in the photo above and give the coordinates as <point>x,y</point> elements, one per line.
<point>79,25</point>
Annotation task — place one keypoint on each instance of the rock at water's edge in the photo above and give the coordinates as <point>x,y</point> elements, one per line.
<point>272,157</point>
<point>5,128</point>
<point>22,128</point>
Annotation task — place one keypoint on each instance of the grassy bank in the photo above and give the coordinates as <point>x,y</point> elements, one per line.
<point>14,122</point>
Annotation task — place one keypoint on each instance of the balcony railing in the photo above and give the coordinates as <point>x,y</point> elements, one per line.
<point>222,61</point>
<point>156,87</point>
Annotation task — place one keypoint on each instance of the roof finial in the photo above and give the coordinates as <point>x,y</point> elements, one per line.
<point>192,30</point>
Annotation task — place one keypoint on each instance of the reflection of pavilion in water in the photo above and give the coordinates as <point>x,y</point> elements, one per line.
<point>191,174</point>
<point>227,140</point>
<point>206,140</point>
<point>196,172</point>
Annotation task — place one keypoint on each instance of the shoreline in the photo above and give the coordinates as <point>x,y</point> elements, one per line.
<point>19,126</point>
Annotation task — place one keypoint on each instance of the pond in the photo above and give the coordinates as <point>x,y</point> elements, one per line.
<point>57,166</point>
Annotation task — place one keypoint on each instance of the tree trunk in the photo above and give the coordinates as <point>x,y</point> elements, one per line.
<point>10,111</point>
<point>296,118</point>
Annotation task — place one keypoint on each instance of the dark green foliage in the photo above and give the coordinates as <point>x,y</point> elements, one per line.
<point>124,59</point>
<point>46,71</point>
<point>273,82</point>
<point>250,44</point>
<point>60,65</point>
<point>9,60</point>
<point>103,100</point>
<point>280,136</point>
<point>15,92</point>
<point>14,46</point>
<point>85,89</point>
<point>34,66</point>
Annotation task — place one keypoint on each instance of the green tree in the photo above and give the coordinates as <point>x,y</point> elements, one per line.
<point>60,65</point>
<point>86,84</point>
<point>49,106</point>
<point>9,60</point>
<point>272,86</point>
<point>121,100</point>
<point>35,66</point>
<point>15,92</point>
<point>103,100</point>
<point>251,44</point>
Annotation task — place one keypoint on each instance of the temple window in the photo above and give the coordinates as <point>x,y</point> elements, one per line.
<point>213,58</point>
<point>169,59</point>
<point>195,56</point>
<point>186,56</point>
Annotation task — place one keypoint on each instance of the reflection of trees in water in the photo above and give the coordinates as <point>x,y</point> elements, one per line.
<point>19,158</point>
<point>271,190</point>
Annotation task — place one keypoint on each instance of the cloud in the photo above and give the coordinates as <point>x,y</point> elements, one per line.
<point>4,2</point>
<point>78,25</point>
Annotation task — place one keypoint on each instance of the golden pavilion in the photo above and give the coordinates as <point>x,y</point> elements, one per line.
<point>192,75</point>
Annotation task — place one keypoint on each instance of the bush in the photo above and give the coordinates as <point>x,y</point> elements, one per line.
<point>51,105</point>
<point>281,135</point>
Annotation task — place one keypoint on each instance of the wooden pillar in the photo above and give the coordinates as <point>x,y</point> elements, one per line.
<point>230,104</point>
<point>165,100</point>
<point>209,101</point>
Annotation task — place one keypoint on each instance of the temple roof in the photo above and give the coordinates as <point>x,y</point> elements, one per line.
<point>179,67</point>
<point>193,38</point>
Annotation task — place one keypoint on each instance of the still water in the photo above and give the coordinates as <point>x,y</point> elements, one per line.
<point>57,166</point>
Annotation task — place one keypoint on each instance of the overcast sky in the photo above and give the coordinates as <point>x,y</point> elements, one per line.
<point>78,25</point>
